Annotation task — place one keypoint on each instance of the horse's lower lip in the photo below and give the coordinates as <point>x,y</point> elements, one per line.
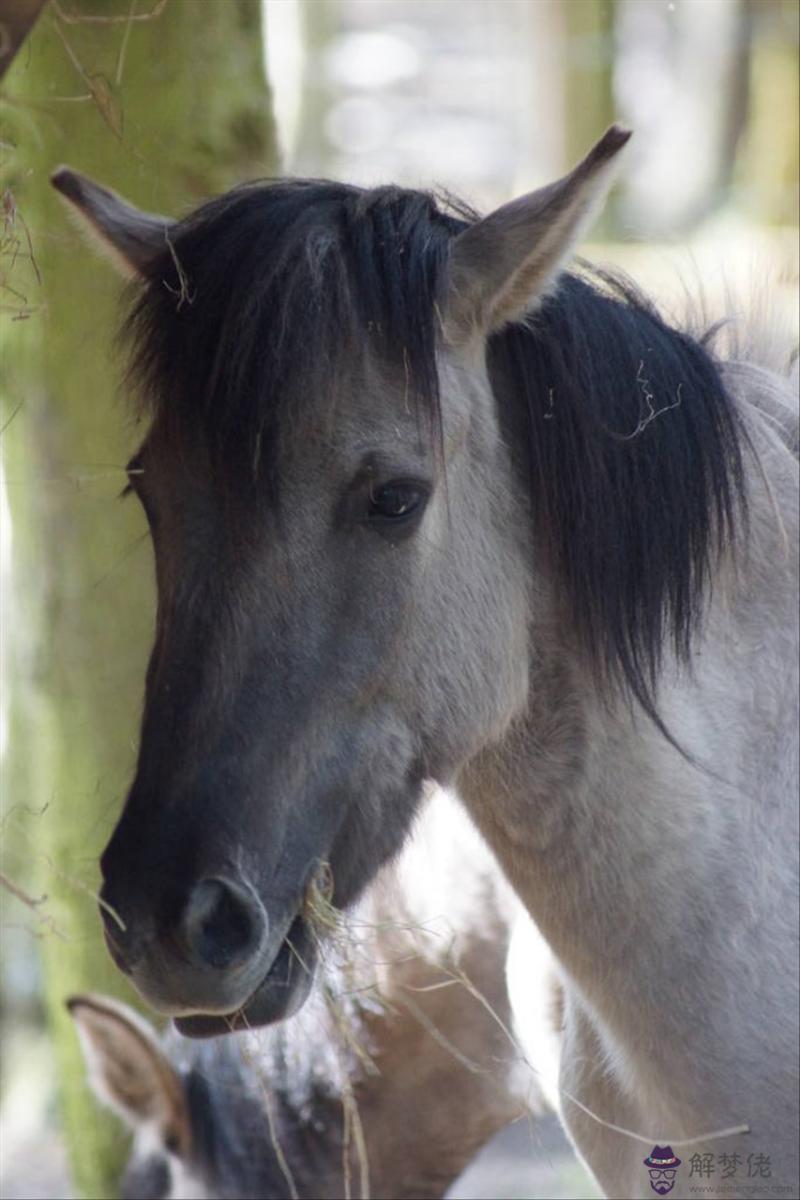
<point>282,991</point>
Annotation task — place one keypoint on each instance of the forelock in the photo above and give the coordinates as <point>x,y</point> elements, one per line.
<point>266,291</point>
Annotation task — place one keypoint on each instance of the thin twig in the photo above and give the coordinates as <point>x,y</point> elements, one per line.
<point>652,411</point>
<point>15,890</point>
<point>73,18</point>
<point>126,554</point>
<point>183,291</point>
<point>430,1027</point>
<point>646,1139</point>
<point>123,49</point>
<point>80,886</point>
<point>11,418</point>
<point>353,1127</point>
<point>266,1097</point>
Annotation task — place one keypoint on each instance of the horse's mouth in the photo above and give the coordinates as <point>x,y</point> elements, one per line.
<point>282,991</point>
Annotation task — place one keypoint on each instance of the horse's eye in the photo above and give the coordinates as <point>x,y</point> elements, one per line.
<point>395,501</point>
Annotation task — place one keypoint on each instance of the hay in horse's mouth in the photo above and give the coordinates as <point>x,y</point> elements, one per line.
<point>282,991</point>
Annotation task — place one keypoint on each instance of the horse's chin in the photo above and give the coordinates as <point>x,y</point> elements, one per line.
<point>282,991</point>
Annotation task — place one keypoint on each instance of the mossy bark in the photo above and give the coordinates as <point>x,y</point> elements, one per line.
<point>769,160</point>
<point>589,105</point>
<point>177,109</point>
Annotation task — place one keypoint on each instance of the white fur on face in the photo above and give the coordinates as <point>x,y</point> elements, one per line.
<point>185,1183</point>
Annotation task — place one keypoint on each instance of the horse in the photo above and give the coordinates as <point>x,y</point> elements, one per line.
<point>396,1071</point>
<point>429,502</point>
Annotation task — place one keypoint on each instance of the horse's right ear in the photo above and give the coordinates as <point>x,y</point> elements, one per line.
<point>501,266</point>
<point>128,1070</point>
<point>130,237</point>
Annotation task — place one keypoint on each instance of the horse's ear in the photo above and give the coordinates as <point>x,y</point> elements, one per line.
<point>128,1071</point>
<point>130,237</point>
<point>503,264</point>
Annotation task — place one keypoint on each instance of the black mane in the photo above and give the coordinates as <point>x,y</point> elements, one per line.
<point>635,457</point>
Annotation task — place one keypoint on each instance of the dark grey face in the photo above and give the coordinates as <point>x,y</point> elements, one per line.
<point>316,658</point>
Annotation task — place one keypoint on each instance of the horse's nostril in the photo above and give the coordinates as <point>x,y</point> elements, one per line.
<point>222,923</point>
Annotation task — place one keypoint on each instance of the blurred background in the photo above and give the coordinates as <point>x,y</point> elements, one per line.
<point>170,101</point>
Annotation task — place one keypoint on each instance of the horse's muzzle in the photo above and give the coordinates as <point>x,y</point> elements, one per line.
<point>281,992</point>
<point>208,957</point>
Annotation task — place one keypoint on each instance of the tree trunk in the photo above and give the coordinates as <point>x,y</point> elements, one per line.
<point>175,108</point>
<point>17,18</point>
<point>589,105</point>
<point>769,161</point>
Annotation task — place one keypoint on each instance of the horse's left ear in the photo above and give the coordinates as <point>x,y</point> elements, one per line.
<point>130,237</point>
<point>503,264</point>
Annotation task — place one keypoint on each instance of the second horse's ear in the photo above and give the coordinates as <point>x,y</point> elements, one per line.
<point>129,1071</point>
<point>131,238</point>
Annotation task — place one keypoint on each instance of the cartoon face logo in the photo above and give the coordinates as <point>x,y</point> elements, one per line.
<point>662,1165</point>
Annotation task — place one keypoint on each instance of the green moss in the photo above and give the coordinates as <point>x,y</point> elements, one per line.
<point>82,582</point>
<point>589,104</point>
<point>769,160</point>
